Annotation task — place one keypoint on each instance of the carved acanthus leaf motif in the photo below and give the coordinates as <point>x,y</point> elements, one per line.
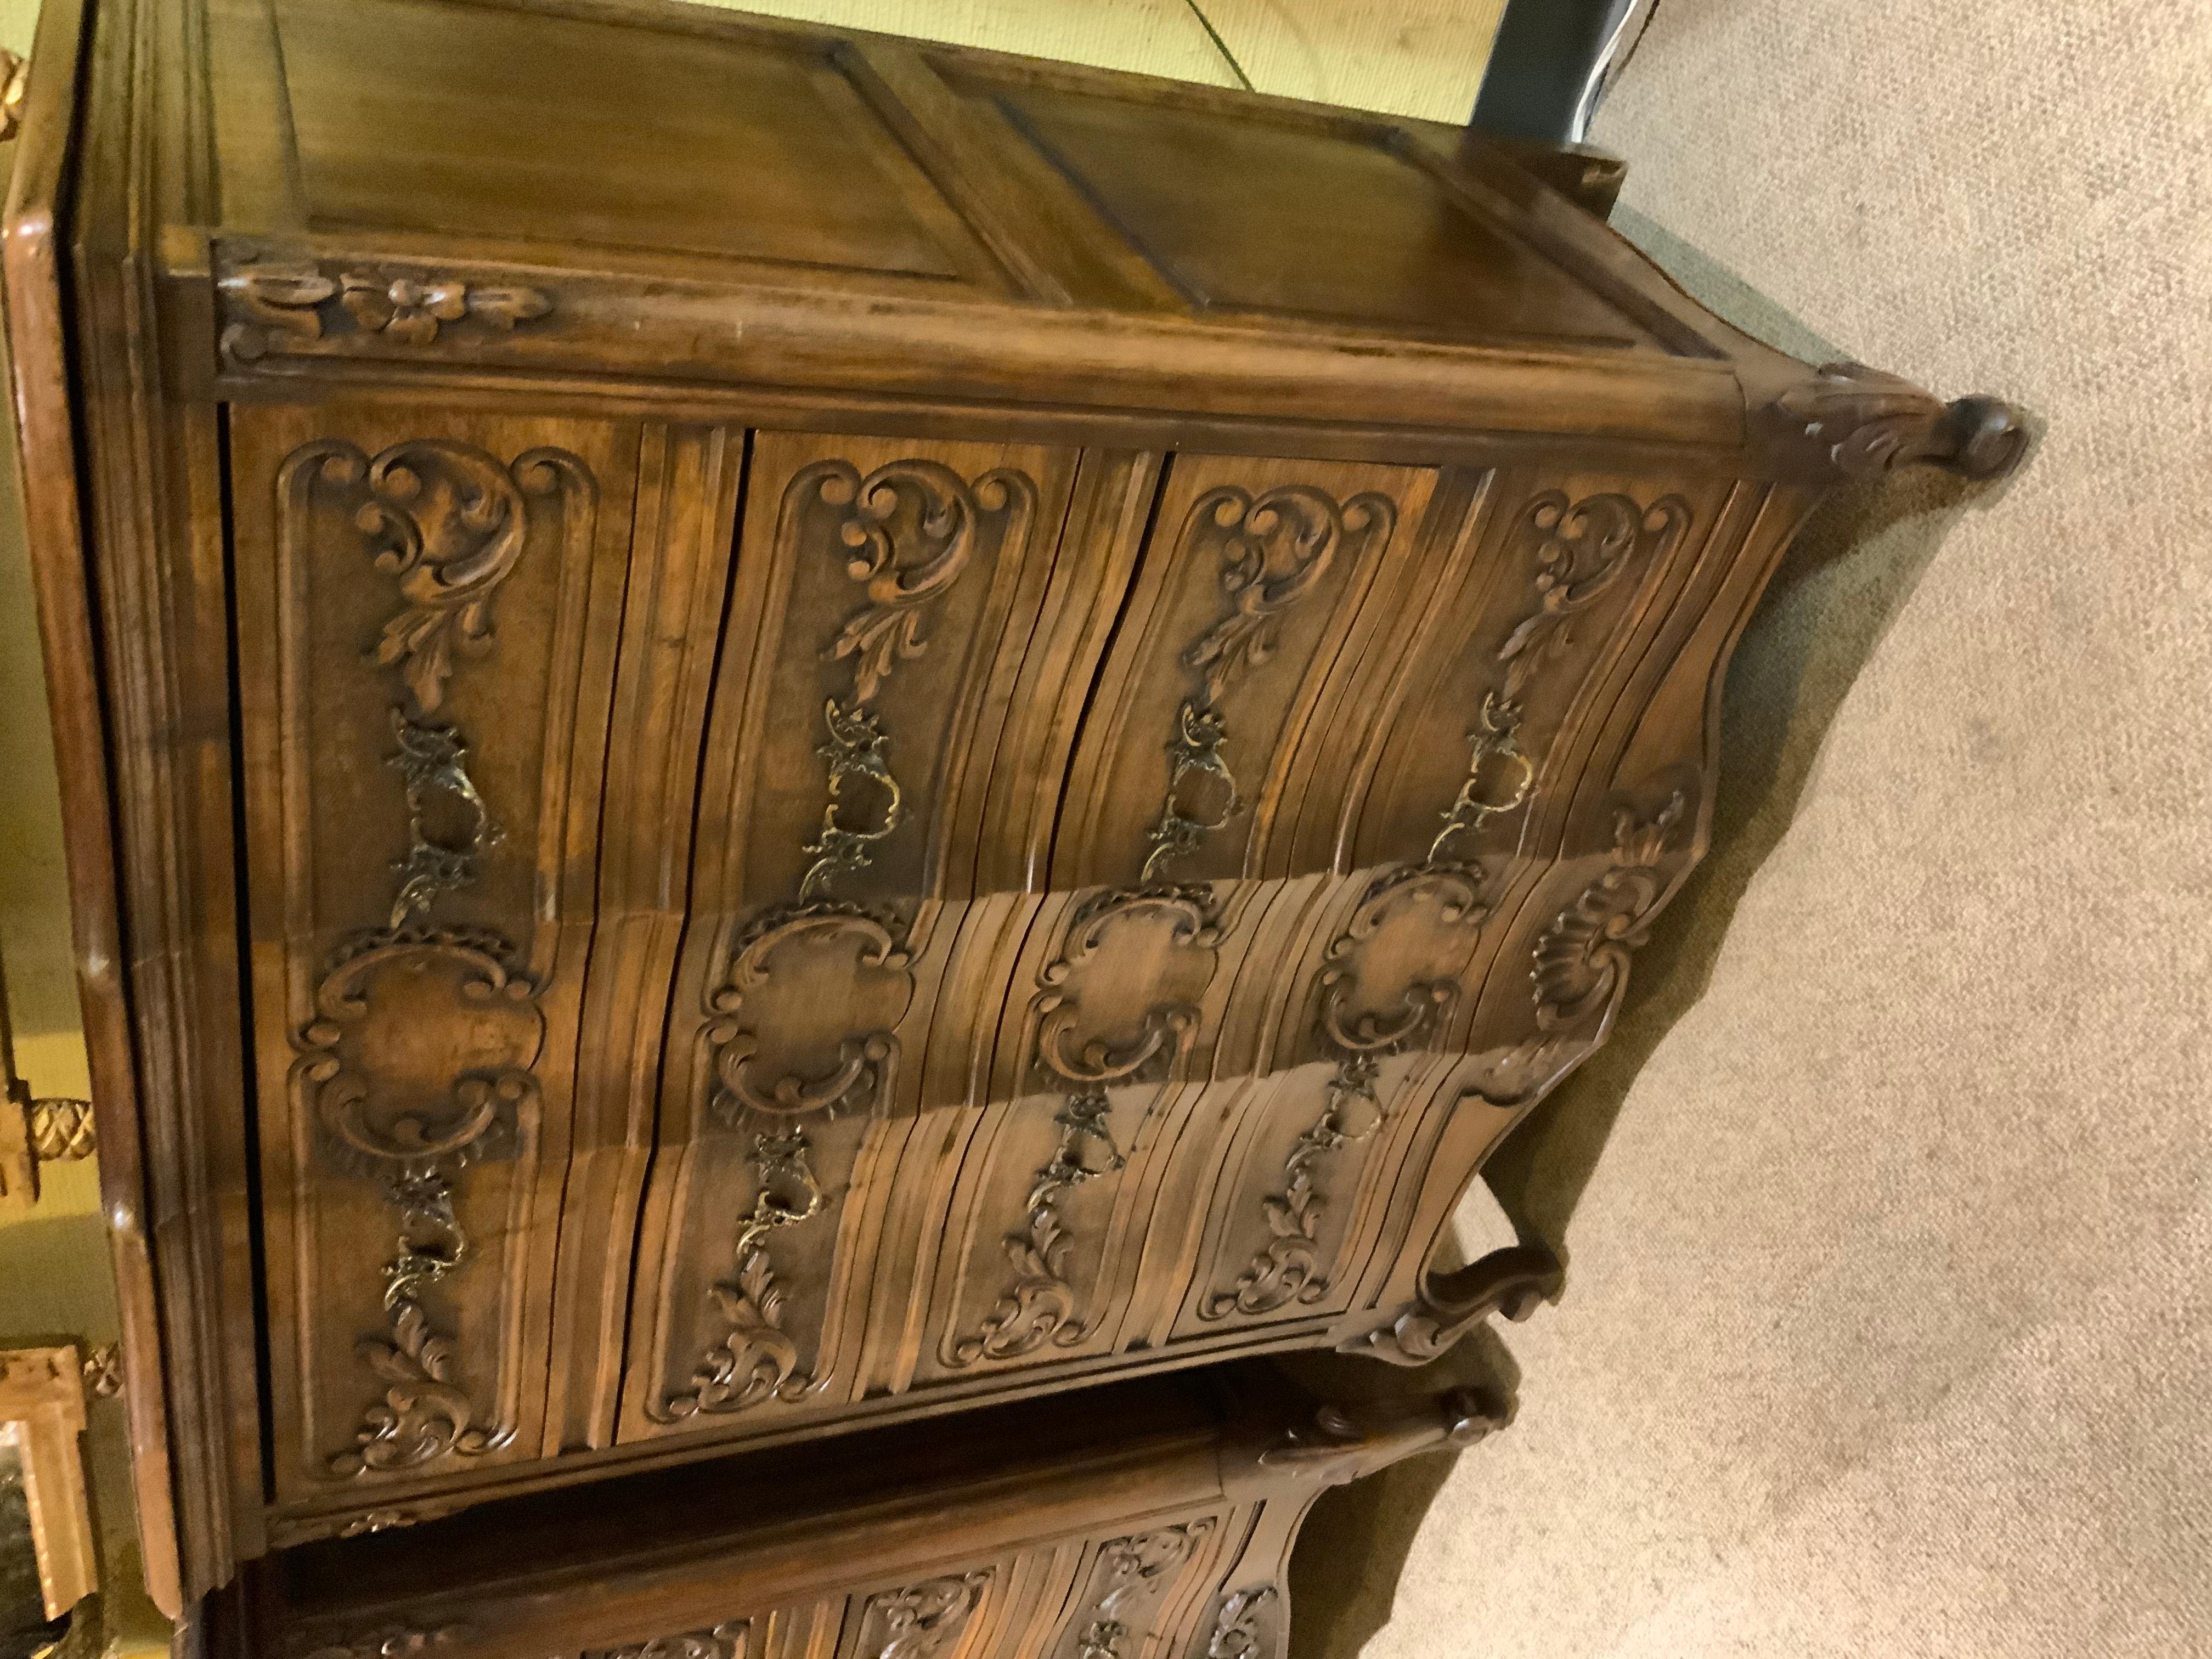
<point>908,531</point>
<point>1288,1266</point>
<point>728,1640</point>
<point>1039,1305</point>
<point>923,1621</point>
<point>1237,1626</point>
<point>423,1415</point>
<point>1583,549</point>
<point>1275,548</point>
<point>757,1360</point>
<point>1133,1569</point>
<point>1864,423</point>
<point>1582,959</point>
<point>448,523</point>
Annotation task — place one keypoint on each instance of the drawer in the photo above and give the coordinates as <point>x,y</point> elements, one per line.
<point>756,932</point>
<point>426,605</point>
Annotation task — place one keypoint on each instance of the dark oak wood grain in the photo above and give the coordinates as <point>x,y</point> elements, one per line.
<point>772,735</point>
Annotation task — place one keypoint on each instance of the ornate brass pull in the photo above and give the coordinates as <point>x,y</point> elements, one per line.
<point>757,1360</point>
<point>431,758</point>
<point>1496,737</point>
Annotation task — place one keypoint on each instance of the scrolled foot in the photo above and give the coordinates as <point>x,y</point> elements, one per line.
<point>1511,1281</point>
<point>1861,422</point>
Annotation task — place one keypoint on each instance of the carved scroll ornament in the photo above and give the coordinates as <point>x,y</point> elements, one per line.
<point>731,1639</point>
<point>1040,1305</point>
<point>757,1359</point>
<point>815,964</point>
<point>1581,549</point>
<point>1578,968</point>
<point>1275,549</point>
<point>1863,424</point>
<point>924,1621</point>
<point>1236,1633</point>
<point>448,523</point>
<point>1133,1568</point>
<point>1437,902</point>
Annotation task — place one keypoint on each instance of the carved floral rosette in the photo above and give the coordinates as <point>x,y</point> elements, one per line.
<point>278,304</point>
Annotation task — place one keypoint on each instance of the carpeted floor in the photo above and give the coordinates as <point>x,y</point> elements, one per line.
<point>1889,1324</point>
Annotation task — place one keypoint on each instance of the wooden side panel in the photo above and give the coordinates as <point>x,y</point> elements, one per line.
<point>881,625</point>
<point>428,606</point>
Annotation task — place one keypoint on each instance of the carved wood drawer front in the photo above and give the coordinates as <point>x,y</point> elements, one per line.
<point>1239,642</point>
<point>892,603</point>
<point>426,606</point>
<point>1144,1590</point>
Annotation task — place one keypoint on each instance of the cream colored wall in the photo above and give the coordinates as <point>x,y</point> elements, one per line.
<point>1421,58</point>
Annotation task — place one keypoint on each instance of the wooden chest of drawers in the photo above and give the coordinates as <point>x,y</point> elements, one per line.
<point>769,732</point>
<point>1157,1521</point>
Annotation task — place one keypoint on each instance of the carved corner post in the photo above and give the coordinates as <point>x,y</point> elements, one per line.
<point>1288,1466</point>
<point>1850,422</point>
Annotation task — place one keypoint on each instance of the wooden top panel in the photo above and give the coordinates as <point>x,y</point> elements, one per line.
<point>798,226</point>
<point>418,116</point>
<point>1281,212</point>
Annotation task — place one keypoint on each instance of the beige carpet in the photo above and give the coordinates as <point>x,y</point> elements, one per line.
<point>1887,1332</point>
